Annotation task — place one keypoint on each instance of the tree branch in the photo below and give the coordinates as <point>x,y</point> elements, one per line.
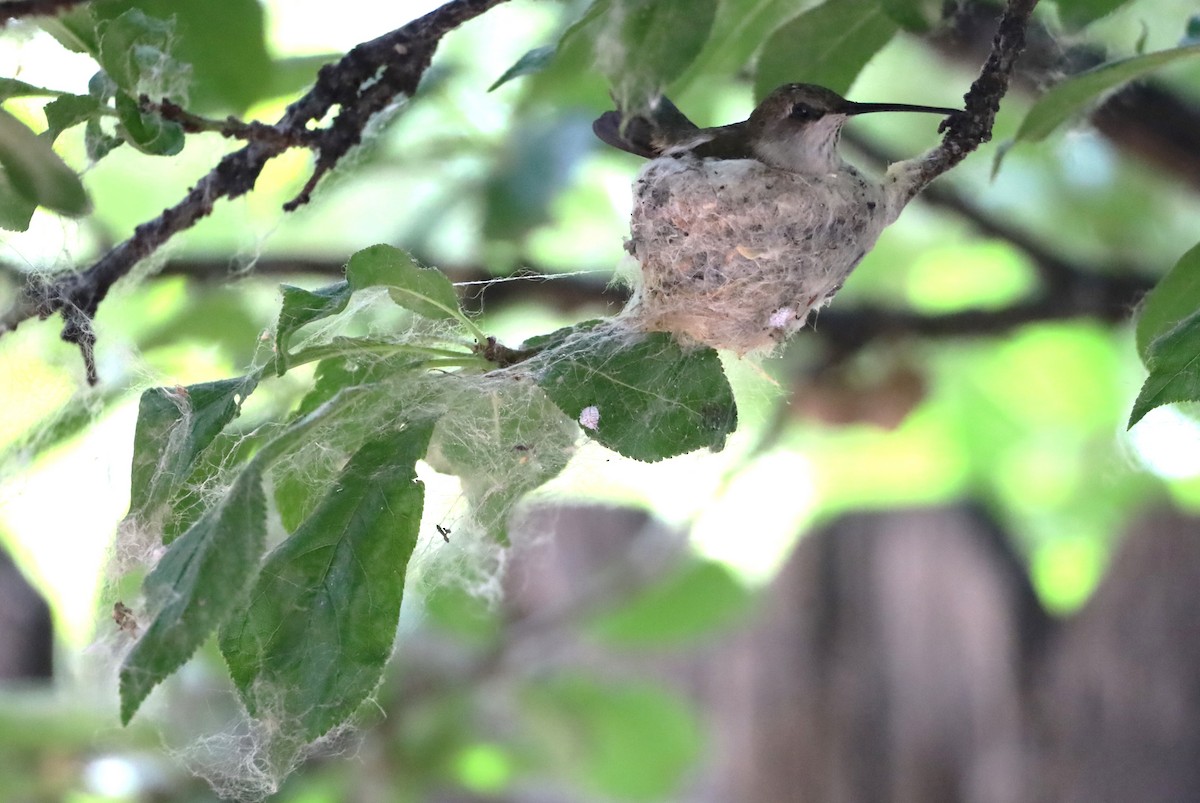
<point>15,9</point>
<point>967,131</point>
<point>364,82</point>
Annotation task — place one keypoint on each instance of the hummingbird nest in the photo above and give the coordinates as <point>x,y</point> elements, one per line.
<point>736,254</point>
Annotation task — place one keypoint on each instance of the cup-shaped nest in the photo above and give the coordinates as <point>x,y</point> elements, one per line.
<point>735,254</point>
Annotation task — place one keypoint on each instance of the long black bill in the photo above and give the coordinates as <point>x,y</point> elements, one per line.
<point>866,108</point>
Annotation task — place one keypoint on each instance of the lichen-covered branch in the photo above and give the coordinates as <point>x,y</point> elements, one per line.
<point>967,131</point>
<point>362,83</point>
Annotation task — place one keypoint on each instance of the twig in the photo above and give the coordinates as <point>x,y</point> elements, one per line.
<point>365,81</point>
<point>230,127</point>
<point>967,131</point>
<point>15,9</point>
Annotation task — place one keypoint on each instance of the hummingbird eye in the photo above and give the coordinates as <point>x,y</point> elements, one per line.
<point>802,111</point>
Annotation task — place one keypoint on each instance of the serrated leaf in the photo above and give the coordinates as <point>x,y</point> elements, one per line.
<point>532,61</point>
<point>67,111</point>
<point>198,582</point>
<point>313,642</point>
<point>302,307</point>
<point>629,741</point>
<point>645,396</point>
<point>693,602</point>
<point>174,426</point>
<point>649,43</point>
<point>36,172</point>
<point>425,291</point>
<point>1067,99</point>
<point>15,209</point>
<point>75,30</point>
<point>149,133</point>
<point>827,45</point>
<point>1175,297</point>
<point>1174,363</point>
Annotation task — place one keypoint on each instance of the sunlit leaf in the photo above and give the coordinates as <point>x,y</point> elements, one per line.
<point>198,582</point>
<point>631,742</point>
<point>1174,363</point>
<point>1067,99</point>
<point>694,602</point>
<point>645,397</point>
<point>313,641</point>
<point>827,45</point>
<point>1175,297</point>
<point>36,172</point>
<point>135,49</point>
<point>174,426</point>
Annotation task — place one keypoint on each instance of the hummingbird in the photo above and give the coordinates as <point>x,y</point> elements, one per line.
<point>795,128</point>
<point>743,230</point>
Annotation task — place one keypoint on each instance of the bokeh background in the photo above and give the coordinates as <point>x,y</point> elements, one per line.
<point>939,473</point>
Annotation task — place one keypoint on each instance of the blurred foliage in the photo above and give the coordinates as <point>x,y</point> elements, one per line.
<point>1030,422</point>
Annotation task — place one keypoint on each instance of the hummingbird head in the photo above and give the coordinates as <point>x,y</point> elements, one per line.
<point>797,126</point>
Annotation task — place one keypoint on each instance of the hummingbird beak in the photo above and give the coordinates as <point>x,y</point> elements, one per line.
<point>852,108</point>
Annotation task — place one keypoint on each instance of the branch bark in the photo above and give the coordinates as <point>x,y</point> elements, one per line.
<point>967,131</point>
<point>365,81</point>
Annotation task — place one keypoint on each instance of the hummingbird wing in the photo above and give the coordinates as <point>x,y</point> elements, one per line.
<point>647,134</point>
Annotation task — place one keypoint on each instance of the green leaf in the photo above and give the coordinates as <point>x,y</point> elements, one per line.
<point>135,50</point>
<point>693,602</point>
<point>914,16</point>
<point>425,291</point>
<point>739,31</point>
<point>75,30</point>
<point>12,88</point>
<point>1174,298</point>
<point>67,111</point>
<point>1064,100</point>
<point>36,172</point>
<point>149,133</point>
<point>313,641</point>
<point>655,41</point>
<point>1174,363</point>
<point>97,143</point>
<point>15,209</point>
<point>1078,13</point>
<point>651,398</point>
<point>200,580</point>
<point>300,308</point>
<point>827,45</point>
<point>173,427</point>
<point>221,41</point>
<point>533,61</point>
<point>631,742</point>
